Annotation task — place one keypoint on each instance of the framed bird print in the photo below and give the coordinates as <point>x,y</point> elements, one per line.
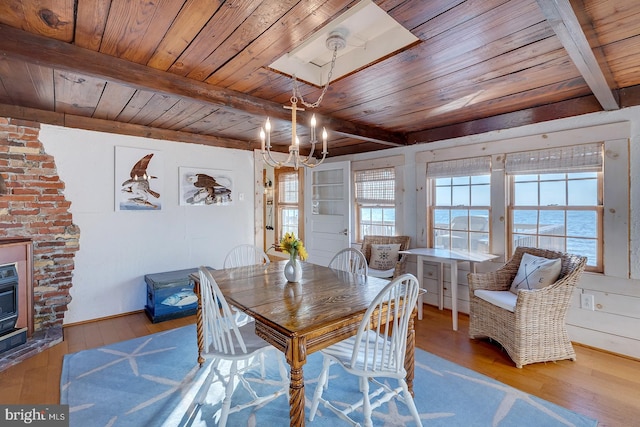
<point>200,186</point>
<point>138,179</point>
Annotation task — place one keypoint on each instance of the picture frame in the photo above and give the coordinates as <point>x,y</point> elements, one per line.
<point>139,181</point>
<point>204,187</point>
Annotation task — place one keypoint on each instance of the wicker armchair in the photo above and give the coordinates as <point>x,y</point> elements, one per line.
<point>535,330</point>
<point>404,241</point>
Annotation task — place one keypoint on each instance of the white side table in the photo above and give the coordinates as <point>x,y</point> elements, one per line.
<point>442,257</point>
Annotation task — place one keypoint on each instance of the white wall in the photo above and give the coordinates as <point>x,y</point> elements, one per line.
<point>117,248</point>
<point>615,324</point>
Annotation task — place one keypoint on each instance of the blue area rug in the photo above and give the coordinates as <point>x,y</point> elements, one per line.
<point>150,381</point>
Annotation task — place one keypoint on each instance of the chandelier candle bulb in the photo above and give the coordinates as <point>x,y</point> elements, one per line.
<point>267,127</point>
<point>324,141</point>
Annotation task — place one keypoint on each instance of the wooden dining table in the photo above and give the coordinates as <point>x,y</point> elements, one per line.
<point>325,307</point>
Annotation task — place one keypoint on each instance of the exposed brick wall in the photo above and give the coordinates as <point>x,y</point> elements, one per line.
<point>34,206</point>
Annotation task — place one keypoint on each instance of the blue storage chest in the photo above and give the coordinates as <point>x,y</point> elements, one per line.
<point>170,295</point>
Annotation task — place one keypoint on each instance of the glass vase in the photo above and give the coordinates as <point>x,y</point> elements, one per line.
<point>293,270</point>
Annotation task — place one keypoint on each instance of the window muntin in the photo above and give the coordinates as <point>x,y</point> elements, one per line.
<point>460,213</point>
<point>375,202</point>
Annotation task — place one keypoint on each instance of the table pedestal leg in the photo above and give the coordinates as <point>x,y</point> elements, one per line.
<point>296,355</point>
<point>296,398</point>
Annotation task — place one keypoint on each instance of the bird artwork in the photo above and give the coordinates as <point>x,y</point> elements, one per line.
<point>207,190</point>
<point>138,185</point>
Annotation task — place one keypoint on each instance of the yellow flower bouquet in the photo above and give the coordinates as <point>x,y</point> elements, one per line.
<point>293,246</point>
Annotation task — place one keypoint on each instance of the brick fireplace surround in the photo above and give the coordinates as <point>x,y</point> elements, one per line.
<point>33,206</point>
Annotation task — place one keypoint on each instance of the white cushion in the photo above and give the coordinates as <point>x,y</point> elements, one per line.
<point>503,299</point>
<point>385,274</point>
<point>536,272</point>
<point>384,256</point>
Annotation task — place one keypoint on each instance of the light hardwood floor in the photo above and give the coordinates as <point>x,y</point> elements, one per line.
<point>600,385</point>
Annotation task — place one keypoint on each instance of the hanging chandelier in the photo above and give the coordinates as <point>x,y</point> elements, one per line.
<point>335,41</point>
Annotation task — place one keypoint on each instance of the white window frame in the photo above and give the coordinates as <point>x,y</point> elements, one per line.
<point>460,173</point>
<point>282,204</point>
<point>396,162</point>
<point>617,192</point>
<point>560,162</point>
<point>383,201</point>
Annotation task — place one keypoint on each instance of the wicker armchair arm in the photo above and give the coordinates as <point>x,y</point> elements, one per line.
<point>549,302</point>
<point>492,281</point>
<point>401,266</point>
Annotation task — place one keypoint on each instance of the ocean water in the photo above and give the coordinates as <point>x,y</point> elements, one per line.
<point>581,230</point>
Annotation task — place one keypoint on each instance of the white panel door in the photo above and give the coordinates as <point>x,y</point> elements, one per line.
<point>327,206</point>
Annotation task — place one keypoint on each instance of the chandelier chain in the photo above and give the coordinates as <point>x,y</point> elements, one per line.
<point>296,89</point>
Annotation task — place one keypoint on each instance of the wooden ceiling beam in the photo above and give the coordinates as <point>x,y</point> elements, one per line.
<point>564,21</point>
<point>109,126</point>
<point>43,51</point>
<point>558,110</point>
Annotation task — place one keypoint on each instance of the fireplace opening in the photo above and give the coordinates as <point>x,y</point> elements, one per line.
<point>8,298</point>
<point>10,337</point>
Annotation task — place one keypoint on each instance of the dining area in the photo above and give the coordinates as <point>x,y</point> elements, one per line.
<point>364,323</point>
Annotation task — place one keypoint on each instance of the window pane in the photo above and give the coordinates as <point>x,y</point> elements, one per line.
<point>552,243</point>
<point>582,224</point>
<point>553,193</point>
<point>389,216</point>
<point>461,196</point>
<point>460,220</point>
<point>378,220</point>
<point>289,221</point>
<point>459,240</point>
<point>524,240</point>
<point>479,220</point>
<point>365,214</point>
<point>443,196</point>
<point>441,218</point>
<point>288,187</point>
<point>583,192</point>
<point>525,178</point>
<point>460,180</point>
<point>480,195</point>
<point>552,177</point>
<point>443,181</point>
<point>526,194</point>
<point>585,247</point>
<point>481,179</point>
<point>580,175</point>
<point>525,221</point>
<point>552,223</point>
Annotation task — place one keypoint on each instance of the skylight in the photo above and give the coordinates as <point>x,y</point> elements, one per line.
<point>370,32</point>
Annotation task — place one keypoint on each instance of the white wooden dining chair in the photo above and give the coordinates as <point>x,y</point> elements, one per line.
<point>351,260</point>
<point>375,352</point>
<point>243,255</point>
<point>225,341</point>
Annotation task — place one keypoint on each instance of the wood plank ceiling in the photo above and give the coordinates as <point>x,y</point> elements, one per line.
<point>197,70</point>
